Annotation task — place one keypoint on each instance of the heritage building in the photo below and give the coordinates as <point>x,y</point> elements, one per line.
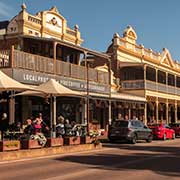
<point>35,48</point>
<point>144,72</point>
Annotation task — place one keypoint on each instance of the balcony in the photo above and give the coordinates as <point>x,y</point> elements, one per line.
<point>150,85</point>
<point>26,61</point>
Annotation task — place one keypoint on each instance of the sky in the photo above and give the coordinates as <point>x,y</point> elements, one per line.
<point>156,22</point>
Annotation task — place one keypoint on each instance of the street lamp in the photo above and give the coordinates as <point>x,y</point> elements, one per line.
<point>87,60</point>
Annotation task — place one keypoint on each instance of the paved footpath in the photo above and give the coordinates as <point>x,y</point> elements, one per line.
<point>159,160</point>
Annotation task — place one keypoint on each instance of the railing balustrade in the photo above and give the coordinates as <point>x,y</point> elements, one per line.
<point>138,84</point>
<point>150,85</point>
<point>34,20</point>
<point>162,87</point>
<point>71,32</point>
<point>48,65</point>
<point>171,90</point>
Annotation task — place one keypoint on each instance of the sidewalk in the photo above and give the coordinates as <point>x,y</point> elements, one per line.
<point>30,153</point>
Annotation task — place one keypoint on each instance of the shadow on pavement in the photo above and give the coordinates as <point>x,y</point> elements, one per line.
<point>163,160</point>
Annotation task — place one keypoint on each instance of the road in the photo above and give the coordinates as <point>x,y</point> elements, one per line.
<point>159,160</point>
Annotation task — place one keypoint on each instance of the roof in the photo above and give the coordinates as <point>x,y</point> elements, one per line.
<point>4,24</point>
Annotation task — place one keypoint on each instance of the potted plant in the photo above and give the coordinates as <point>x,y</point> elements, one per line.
<point>94,136</point>
<point>72,140</point>
<point>85,137</point>
<point>30,144</point>
<point>9,145</point>
<point>53,142</point>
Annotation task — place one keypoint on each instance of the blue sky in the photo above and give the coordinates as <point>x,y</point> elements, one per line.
<point>156,22</point>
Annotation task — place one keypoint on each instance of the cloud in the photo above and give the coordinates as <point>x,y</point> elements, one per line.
<point>5,10</point>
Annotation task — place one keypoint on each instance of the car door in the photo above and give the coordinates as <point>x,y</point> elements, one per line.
<point>139,129</point>
<point>168,131</point>
<point>144,130</point>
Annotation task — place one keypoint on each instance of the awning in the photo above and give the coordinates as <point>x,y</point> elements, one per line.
<point>8,84</point>
<point>128,97</point>
<point>131,64</point>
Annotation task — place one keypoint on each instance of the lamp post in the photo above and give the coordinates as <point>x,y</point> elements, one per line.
<point>87,60</point>
<point>109,70</point>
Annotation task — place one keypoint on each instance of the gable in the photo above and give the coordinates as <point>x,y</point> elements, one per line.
<point>166,59</point>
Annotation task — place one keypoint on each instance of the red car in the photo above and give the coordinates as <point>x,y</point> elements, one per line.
<point>176,128</point>
<point>162,131</point>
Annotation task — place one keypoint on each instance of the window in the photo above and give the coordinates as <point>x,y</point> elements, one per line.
<point>171,80</point>
<point>162,77</point>
<point>150,74</point>
<point>132,73</point>
<point>178,82</point>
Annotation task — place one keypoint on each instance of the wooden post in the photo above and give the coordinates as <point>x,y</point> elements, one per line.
<point>54,55</point>
<point>11,60</point>
<point>145,113</point>
<point>175,111</point>
<point>109,107</point>
<point>167,111</point>
<point>11,109</point>
<point>54,117</point>
<point>129,113</point>
<point>157,110</point>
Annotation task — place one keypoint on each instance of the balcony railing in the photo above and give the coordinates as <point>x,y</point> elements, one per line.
<point>150,85</point>
<point>136,84</point>
<point>23,60</point>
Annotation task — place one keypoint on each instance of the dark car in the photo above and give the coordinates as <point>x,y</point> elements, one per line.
<point>176,128</point>
<point>130,130</point>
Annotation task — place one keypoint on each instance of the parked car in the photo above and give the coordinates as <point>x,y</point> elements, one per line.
<point>176,128</point>
<point>162,131</point>
<point>129,130</point>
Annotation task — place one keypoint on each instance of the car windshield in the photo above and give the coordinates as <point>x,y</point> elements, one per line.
<point>120,124</point>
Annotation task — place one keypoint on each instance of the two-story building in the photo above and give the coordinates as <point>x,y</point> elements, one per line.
<point>144,72</point>
<point>35,48</point>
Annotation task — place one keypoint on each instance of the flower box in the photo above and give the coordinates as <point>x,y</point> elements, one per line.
<point>9,145</point>
<point>72,140</point>
<point>30,144</point>
<point>53,142</point>
<point>86,140</point>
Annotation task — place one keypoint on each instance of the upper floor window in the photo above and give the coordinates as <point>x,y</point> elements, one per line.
<point>178,82</point>
<point>132,73</point>
<point>171,80</point>
<point>150,74</point>
<point>161,77</point>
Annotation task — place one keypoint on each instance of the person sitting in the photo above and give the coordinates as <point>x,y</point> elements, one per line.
<point>119,117</point>
<point>4,125</point>
<point>45,128</point>
<point>37,132</point>
<point>28,131</point>
<point>68,128</point>
<point>126,117</point>
<point>60,130</point>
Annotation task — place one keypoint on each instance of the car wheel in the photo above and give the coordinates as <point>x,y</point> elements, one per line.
<point>149,138</point>
<point>134,139</point>
<point>164,137</point>
<point>173,136</point>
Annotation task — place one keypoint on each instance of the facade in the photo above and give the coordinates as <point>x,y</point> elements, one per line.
<point>35,48</point>
<point>144,72</point>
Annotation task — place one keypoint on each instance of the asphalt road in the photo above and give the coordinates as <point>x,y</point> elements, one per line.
<point>159,160</point>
